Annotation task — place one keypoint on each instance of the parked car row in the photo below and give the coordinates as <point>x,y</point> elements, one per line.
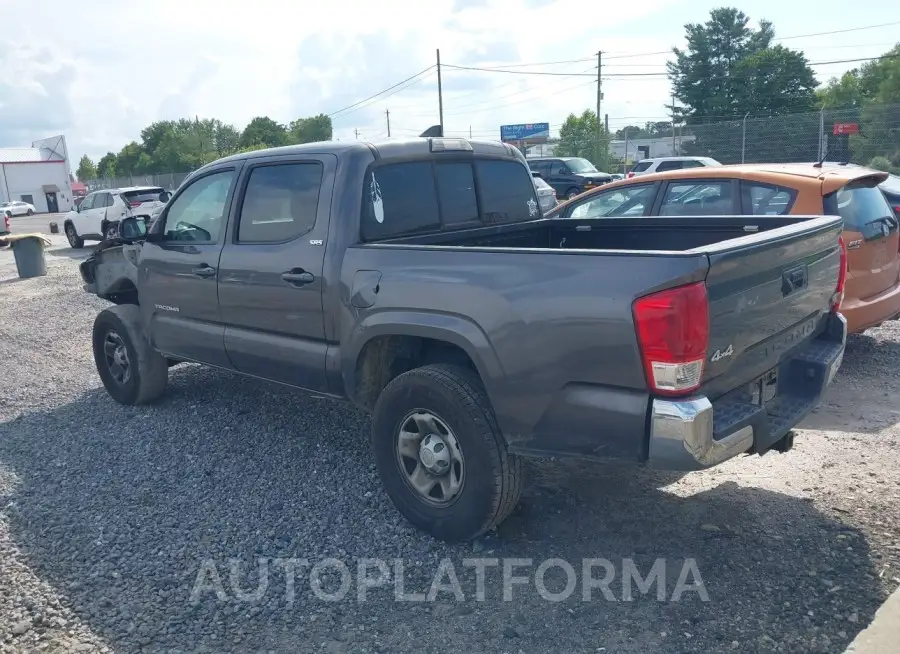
<point>771,191</point>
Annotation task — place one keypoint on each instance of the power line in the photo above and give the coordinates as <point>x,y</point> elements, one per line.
<point>390,88</point>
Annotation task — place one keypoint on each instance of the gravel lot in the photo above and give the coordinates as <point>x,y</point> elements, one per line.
<point>108,515</point>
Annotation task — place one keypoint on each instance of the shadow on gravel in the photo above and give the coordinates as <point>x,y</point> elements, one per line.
<point>119,509</point>
<point>858,400</point>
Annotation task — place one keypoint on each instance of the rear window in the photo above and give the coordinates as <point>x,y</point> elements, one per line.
<point>144,195</point>
<point>669,165</point>
<point>891,184</point>
<point>399,199</point>
<point>860,204</point>
<point>507,193</point>
<point>541,185</point>
<point>641,166</point>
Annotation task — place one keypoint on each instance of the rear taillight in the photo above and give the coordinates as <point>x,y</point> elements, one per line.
<point>134,204</point>
<point>673,333</point>
<point>630,175</point>
<point>838,296</point>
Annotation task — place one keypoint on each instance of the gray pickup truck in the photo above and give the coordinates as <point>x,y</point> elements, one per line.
<point>419,280</point>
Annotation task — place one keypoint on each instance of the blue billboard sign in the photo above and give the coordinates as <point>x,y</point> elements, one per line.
<point>531,132</point>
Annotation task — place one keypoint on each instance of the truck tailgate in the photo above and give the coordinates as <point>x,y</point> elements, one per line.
<point>767,294</point>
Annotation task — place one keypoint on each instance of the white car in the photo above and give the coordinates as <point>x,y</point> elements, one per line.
<point>99,214</point>
<point>545,193</point>
<point>662,164</point>
<point>17,208</point>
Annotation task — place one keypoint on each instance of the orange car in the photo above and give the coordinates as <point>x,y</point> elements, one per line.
<point>872,292</point>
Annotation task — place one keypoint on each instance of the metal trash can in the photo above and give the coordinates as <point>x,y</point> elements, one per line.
<point>29,255</point>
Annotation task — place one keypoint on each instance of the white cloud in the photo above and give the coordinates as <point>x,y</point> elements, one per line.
<point>101,70</point>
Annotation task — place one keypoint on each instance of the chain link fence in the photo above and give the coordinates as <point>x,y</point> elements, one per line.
<point>169,181</point>
<point>868,135</point>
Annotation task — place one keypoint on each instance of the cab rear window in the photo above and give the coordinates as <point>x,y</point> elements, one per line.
<point>862,205</point>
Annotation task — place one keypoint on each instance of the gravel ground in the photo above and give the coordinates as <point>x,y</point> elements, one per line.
<point>115,523</point>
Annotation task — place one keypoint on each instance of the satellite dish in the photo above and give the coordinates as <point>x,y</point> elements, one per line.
<point>433,131</point>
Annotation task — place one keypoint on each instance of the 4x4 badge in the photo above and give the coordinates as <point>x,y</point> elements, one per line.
<point>719,354</point>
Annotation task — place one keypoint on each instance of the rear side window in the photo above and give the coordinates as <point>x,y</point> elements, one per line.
<point>456,189</point>
<point>507,192</point>
<point>860,204</point>
<point>399,199</point>
<point>711,198</point>
<point>669,165</point>
<point>641,166</point>
<point>280,202</point>
<point>760,199</point>
<point>692,163</point>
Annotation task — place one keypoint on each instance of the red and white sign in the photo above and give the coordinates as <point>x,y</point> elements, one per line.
<point>846,128</point>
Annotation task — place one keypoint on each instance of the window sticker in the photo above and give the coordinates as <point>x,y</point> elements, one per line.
<point>377,203</point>
<point>532,207</point>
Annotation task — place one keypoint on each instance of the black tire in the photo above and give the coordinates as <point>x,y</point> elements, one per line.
<point>149,371</point>
<point>30,212</point>
<point>493,478</point>
<point>75,241</point>
<point>571,193</point>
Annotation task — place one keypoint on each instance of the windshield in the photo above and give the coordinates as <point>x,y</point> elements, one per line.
<point>6,204</point>
<point>580,166</point>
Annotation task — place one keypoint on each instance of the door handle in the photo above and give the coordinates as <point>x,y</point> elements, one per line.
<point>204,271</point>
<point>298,277</point>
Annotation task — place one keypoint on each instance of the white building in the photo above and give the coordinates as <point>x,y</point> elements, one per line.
<point>39,175</point>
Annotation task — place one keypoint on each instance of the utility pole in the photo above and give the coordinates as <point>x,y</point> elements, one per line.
<point>387,115</point>
<point>674,147</point>
<point>440,93</point>
<point>356,133</point>
<point>599,99</point>
<point>470,131</point>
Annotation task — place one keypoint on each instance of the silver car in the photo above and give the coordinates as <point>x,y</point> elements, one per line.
<point>545,193</point>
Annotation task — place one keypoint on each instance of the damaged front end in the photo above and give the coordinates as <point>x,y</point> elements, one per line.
<point>111,270</point>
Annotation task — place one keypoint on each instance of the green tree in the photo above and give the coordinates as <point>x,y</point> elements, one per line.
<point>774,81</point>
<point>106,167</point>
<point>263,129</point>
<point>310,130</point>
<point>578,138</point>
<point>86,169</point>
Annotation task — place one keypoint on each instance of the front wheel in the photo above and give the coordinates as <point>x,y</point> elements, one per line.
<point>131,370</point>
<point>440,453</point>
<point>75,241</point>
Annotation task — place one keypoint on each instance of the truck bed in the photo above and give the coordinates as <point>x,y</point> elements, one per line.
<point>673,234</point>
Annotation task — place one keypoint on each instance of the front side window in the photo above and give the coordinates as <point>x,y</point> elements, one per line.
<point>88,202</point>
<point>197,215</point>
<point>713,198</point>
<point>399,199</point>
<point>507,192</point>
<point>280,202</point>
<point>618,202</point>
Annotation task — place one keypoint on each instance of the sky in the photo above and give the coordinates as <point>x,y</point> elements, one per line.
<point>98,71</point>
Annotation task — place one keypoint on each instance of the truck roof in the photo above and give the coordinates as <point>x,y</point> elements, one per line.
<point>400,148</point>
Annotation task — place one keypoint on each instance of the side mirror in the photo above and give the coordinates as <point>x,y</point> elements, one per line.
<point>132,228</point>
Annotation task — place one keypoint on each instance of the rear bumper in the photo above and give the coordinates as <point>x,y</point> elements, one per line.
<point>871,312</point>
<point>696,433</point>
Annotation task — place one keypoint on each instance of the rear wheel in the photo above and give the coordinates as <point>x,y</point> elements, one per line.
<point>440,453</point>
<point>571,193</point>
<point>131,370</point>
<point>75,241</point>
<point>30,212</point>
